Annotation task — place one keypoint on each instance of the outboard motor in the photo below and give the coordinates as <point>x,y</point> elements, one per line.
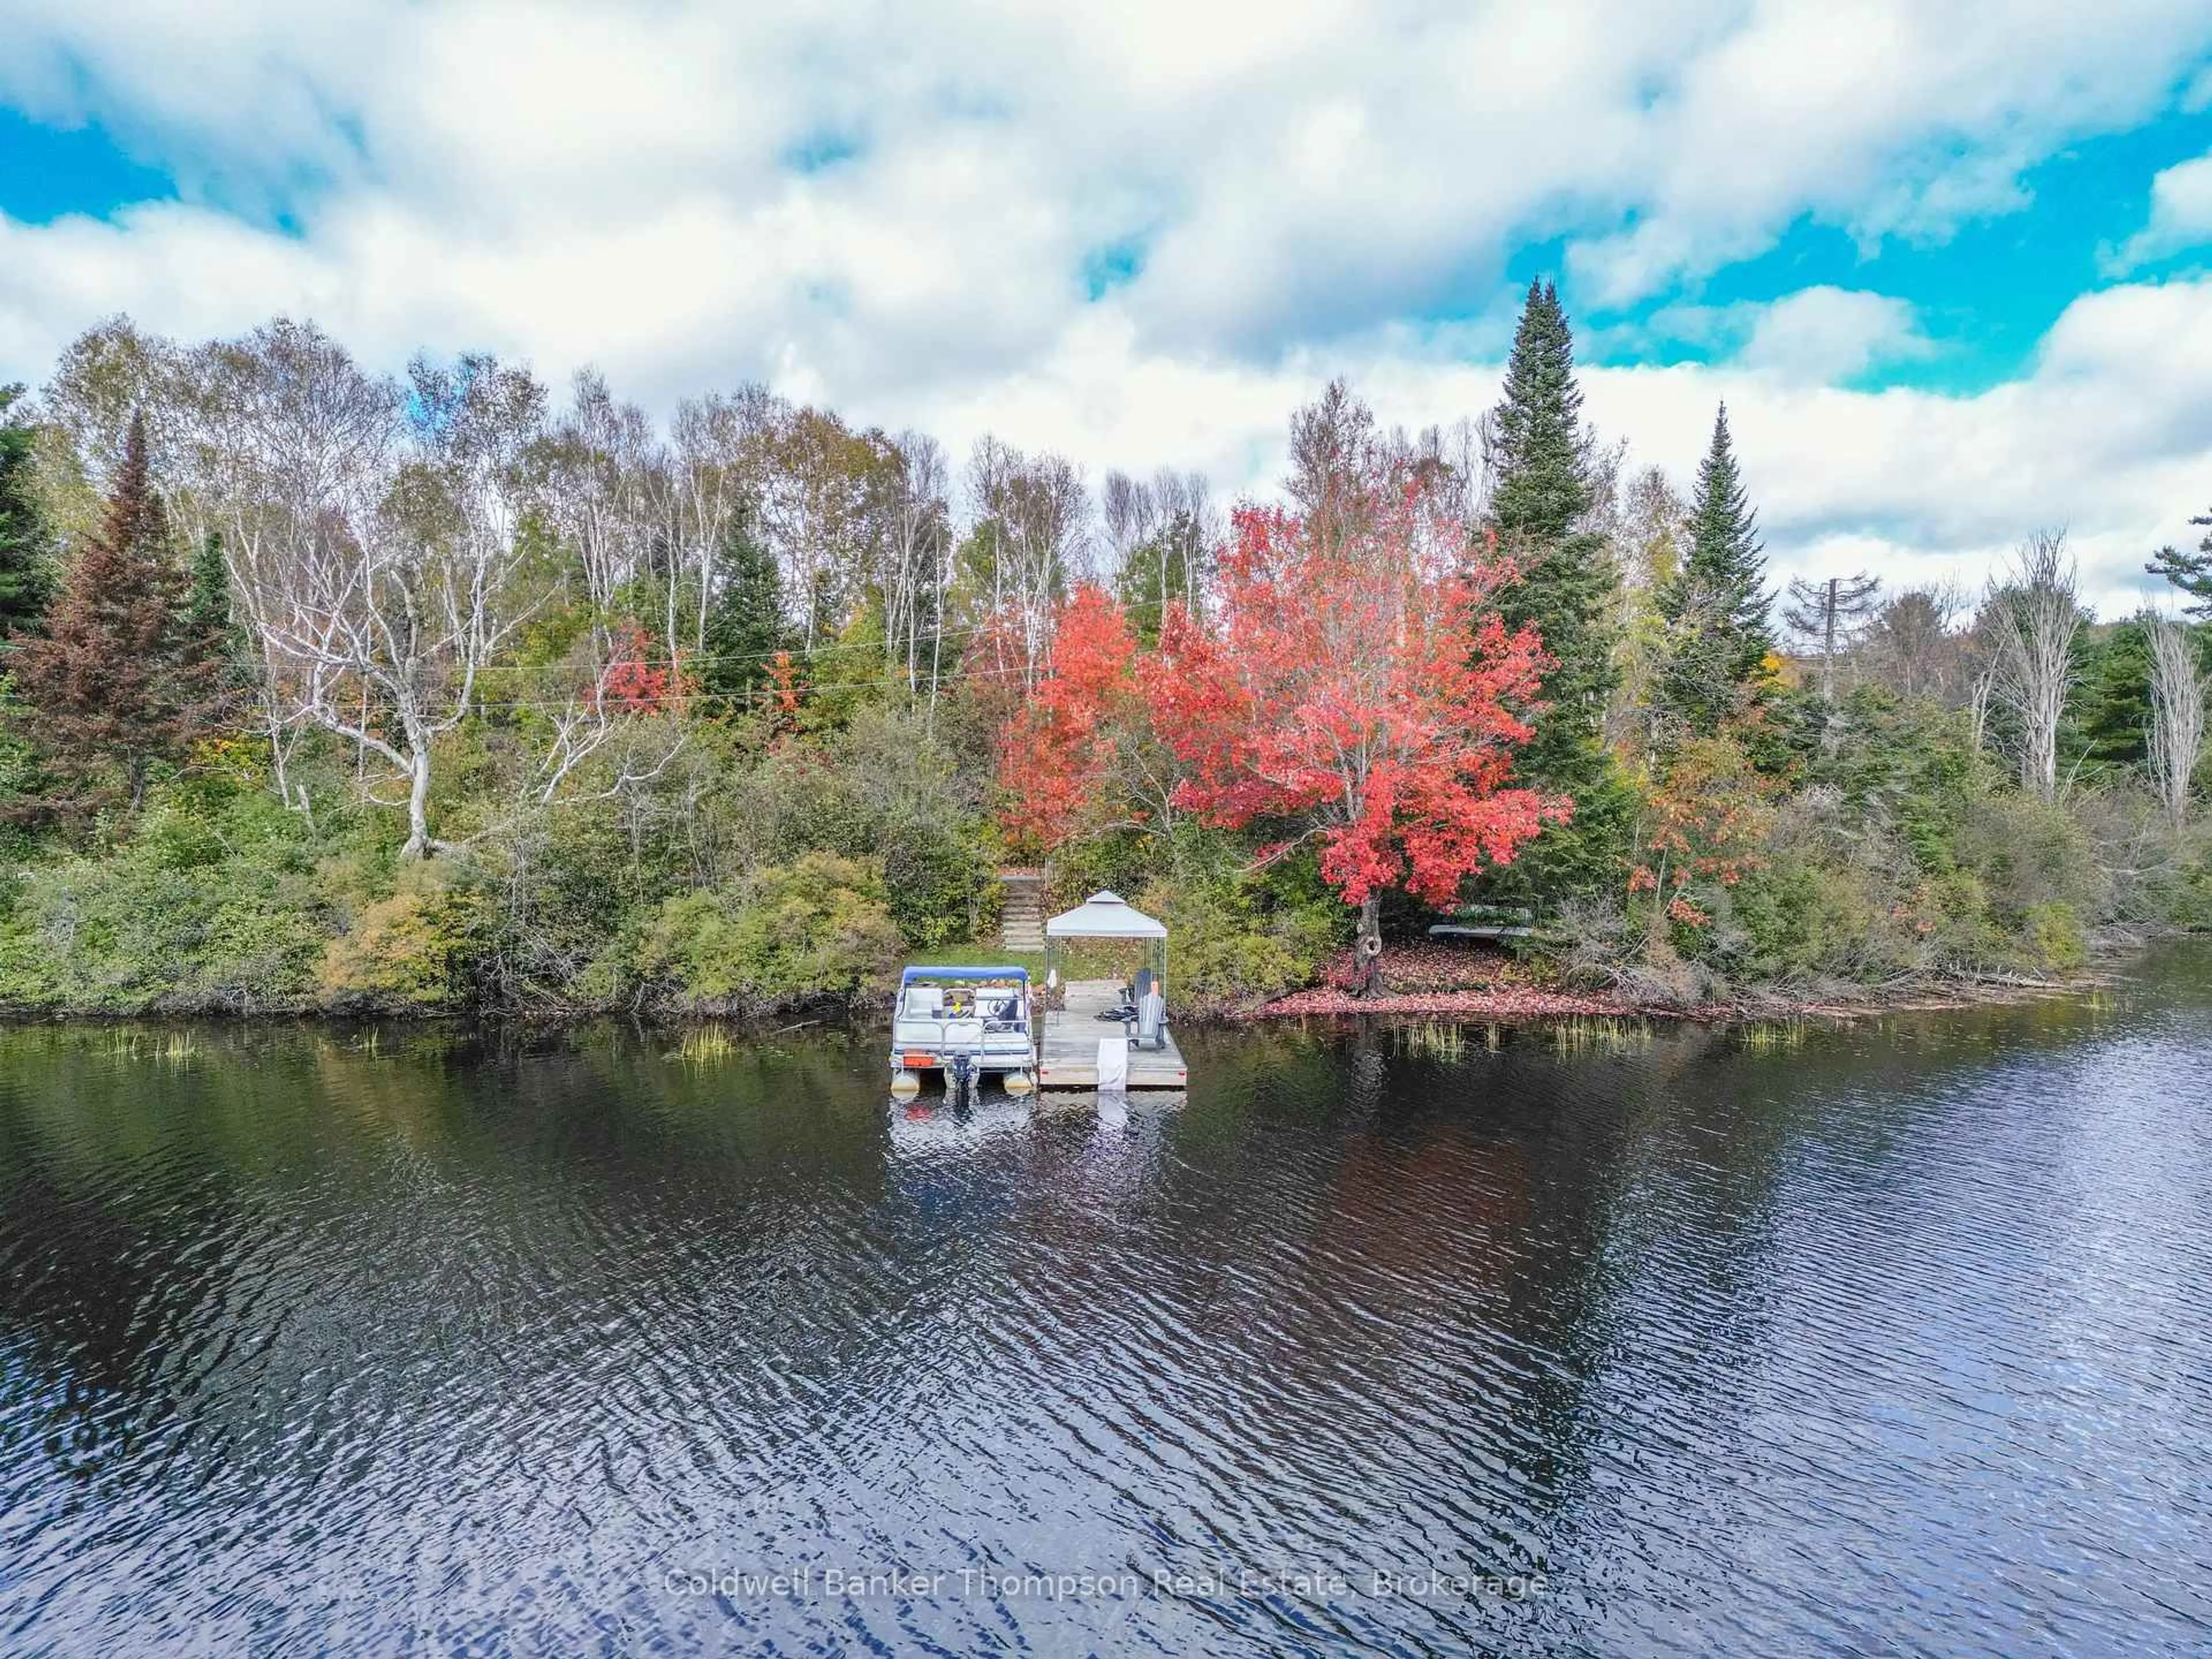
<point>960,1075</point>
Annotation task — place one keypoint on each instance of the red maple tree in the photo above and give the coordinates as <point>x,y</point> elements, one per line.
<point>1355,685</point>
<point>789,679</point>
<point>632,682</point>
<point>1056,751</point>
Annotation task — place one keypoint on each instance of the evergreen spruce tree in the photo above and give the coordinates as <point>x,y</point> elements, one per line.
<point>1568,591</point>
<point>745,624</point>
<point>212,632</point>
<point>2108,719</point>
<point>119,680</point>
<point>2190,572</point>
<point>1716,608</point>
<point>207,600</point>
<point>26,545</point>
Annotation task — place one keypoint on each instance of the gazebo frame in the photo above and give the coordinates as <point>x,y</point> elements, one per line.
<point>1107,915</point>
<point>1068,1055</point>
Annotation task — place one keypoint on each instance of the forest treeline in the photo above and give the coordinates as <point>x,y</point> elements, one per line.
<point>329,689</point>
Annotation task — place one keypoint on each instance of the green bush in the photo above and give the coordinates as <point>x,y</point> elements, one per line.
<point>571,887</point>
<point>941,883</point>
<point>420,947</point>
<point>816,926</point>
<point>2027,855</point>
<point>1121,861</point>
<point>1225,947</point>
<point>2055,935</point>
<point>213,909</point>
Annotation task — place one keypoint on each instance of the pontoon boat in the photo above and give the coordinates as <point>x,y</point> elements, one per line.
<point>964,1023</point>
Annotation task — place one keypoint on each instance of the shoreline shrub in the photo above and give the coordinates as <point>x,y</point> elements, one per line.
<point>818,926</point>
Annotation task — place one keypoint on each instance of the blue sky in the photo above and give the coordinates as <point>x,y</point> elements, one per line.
<point>1951,267</point>
<point>47,171</point>
<point>1986,292</point>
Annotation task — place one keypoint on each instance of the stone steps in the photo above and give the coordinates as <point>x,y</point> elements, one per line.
<point>1021,920</point>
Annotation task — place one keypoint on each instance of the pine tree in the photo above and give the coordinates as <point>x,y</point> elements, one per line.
<point>2190,572</point>
<point>1569,592</point>
<point>745,624</point>
<point>119,680</point>
<point>1541,453</point>
<point>1716,608</point>
<point>212,631</point>
<point>26,545</point>
<point>207,598</point>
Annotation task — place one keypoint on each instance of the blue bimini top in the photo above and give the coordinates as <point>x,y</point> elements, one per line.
<point>954,975</point>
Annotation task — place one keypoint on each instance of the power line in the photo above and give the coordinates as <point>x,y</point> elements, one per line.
<point>802,688</point>
<point>690,659</point>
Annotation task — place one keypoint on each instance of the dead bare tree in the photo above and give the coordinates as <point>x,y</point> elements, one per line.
<point>1828,614</point>
<point>2176,736</point>
<point>2034,613</point>
<point>1913,646</point>
<point>1126,505</point>
<point>1653,528</point>
<point>1190,531</point>
<point>1336,448</point>
<point>293,443</point>
<point>594,483</point>
<point>1464,482</point>
<point>581,728</point>
<point>1160,537</point>
<point>824,508</point>
<point>718,452</point>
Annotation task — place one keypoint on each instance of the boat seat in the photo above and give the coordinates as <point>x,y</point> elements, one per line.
<point>924,1002</point>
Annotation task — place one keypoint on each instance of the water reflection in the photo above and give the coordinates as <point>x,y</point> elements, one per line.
<point>1891,1337</point>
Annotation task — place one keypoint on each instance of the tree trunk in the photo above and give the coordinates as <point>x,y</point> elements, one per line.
<point>1367,951</point>
<point>418,806</point>
<point>280,776</point>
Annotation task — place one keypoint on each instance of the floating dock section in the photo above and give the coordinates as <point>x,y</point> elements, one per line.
<point>1067,1050</point>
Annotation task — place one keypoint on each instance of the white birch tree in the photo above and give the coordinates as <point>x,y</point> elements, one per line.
<point>391,584</point>
<point>2035,612</point>
<point>2176,737</point>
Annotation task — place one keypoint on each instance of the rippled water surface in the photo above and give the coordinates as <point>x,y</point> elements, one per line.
<point>1896,1338</point>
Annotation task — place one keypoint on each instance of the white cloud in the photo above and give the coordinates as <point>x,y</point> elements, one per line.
<point>1825,334</point>
<point>1815,336</point>
<point>1295,167</point>
<point>2180,215</point>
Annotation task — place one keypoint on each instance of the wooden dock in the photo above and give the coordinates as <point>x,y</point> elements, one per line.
<point>1067,1046</point>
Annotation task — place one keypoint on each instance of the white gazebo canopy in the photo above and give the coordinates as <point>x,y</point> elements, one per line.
<point>1103,916</point>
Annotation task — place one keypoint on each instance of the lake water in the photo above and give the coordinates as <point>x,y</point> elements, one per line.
<point>1890,1339</point>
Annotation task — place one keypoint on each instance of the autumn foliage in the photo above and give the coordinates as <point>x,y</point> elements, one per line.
<point>633,683</point>
<point>1056,754</point>
<point>1356,686</point>
<point>1706,821</point>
